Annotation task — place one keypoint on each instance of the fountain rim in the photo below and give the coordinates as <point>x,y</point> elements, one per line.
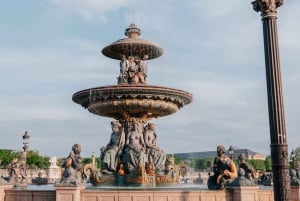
<point>131,41</point>
<point>141,87</point>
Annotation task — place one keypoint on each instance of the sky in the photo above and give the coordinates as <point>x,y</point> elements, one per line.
<point>50,49</point>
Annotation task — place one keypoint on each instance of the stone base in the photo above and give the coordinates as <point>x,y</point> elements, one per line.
<point>295,193</point>
<point>2,190</point>
<point>68,193</point>
<point>244,193</point>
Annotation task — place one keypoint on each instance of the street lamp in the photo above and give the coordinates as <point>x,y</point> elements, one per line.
<point>25,147</point>
<point>25,141</point>
<point>293,156</point>
<point>230,151</point>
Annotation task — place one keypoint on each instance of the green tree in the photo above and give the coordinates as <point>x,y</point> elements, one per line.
<point>257,164</point>
<point>35,160</point>
<point>202,163</point>
<point>295,159</point>
<point>6,156</point>
<point>177,160</point>
<point>268,164</point>
<point>297,154</point>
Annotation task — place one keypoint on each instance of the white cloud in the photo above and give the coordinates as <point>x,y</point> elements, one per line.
<point>90,9</point>
<point>212,49</point>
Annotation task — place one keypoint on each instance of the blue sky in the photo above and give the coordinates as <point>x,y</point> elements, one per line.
<point>51,49</point>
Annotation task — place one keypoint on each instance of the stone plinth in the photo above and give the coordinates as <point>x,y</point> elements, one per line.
<point>155,195</point>
<point>2,190</point>
<point>68,193</point>
<point>295,193</point>
<point>29,195</point>
<point>244,193</point>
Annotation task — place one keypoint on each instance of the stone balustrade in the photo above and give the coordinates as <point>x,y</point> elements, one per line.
<point>8,193</point>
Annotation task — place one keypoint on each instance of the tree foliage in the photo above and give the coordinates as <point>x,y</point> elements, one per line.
<point>33,159</point>
<point>257,164</point>
<point>6,156</point>
<point>202,163</point>
<point>297,154</point>
<point>268,164</point>
<point>177,160</point>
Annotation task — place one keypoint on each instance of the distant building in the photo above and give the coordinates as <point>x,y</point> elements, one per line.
<point>212,154</point>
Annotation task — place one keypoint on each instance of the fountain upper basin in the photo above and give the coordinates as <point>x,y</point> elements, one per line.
<point>130,100</point>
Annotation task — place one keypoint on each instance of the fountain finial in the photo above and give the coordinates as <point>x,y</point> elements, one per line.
<point>132,31</point>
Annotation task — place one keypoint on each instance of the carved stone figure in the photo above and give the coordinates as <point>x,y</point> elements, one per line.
<point>142,69</point>
<point>39,180</point>
<point>17,171</point>
<point>110,154</point>
<point>298,173</point>
<point>123,78</point>
<point>198,180</point>
<point>3,181</point>
<point>250,172</point>
<point>73,169</point>
<point>121,170</point>
<point>156,155</point>
<point>294,179</point>
<point>242,179</point>
<point>246,173</point>
<point>224,170</point>
<point>135,147</point>
<point>132,71</point>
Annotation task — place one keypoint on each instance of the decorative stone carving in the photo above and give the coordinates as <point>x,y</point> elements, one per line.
<point>134,152</point>
<point>39,180</point>
<point>267,7</point>
<point>110,154</point>
<point>156,156</point>
<point>17,171</point>
<point>246,173</point>
<point>224,170</point>
<point>295,181</point>
<point>72,175</point>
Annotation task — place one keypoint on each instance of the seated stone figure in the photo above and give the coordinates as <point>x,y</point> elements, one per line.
<point>135,147</point>
<point>73,169</point>
<point>155,155</point>
<point>224,170</point>
<point>17,171</point>
<point>111,152</point>
<point>250,172</point>
<point>294,179</point>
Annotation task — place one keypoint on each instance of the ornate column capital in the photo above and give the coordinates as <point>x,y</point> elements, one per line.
<point>267,7</point>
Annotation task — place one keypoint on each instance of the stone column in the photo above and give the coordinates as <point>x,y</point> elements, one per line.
<point>279,147</point>
<point>68,193</point>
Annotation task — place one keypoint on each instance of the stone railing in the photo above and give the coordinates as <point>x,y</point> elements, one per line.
<point>63,193</point>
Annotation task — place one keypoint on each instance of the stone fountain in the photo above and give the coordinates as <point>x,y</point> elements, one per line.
<point>132,156</point>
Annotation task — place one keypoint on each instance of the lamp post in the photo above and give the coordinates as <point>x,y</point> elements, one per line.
<point>293,159</point>
<point>230,151</point>
<point>279,146</point>
<point>25,148</point>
